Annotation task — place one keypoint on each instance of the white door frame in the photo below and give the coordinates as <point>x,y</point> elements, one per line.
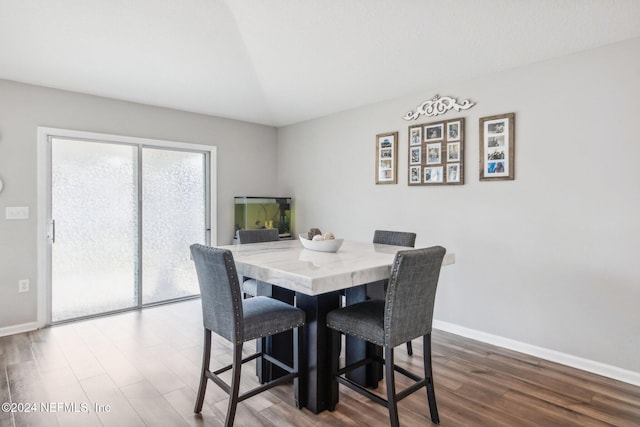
<point>44,245</point>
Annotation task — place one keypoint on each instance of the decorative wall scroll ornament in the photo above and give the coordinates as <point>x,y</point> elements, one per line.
<point>438,105</point>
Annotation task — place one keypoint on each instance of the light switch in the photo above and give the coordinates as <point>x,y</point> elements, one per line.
<point>17,212</point>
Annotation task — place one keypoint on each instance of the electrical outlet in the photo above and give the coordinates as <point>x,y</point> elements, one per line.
<point>23,285</point>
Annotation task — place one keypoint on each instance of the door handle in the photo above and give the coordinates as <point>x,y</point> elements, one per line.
<point>52,231</point>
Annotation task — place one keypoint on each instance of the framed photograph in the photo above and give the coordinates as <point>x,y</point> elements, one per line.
<point>497,147</point>
<point>434,154</point>
<point>415,155</point>
<point>433,132</point>
<point>433,175</point>
<point>453,172</point>
<point>453,131</point>
<point>453,152</point>
<point>414,174</point>
<point>439,157</point>
<point>415,136</point>
<point>387,158</point>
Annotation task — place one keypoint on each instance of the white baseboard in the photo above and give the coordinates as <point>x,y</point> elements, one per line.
<point>18,329</point>
<point>543,353</point>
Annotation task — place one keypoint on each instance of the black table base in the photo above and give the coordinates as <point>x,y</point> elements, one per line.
<point>316,346</point>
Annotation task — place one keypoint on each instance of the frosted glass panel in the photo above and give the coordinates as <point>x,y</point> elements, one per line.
<point>94,205</point>
<point>173,212</point>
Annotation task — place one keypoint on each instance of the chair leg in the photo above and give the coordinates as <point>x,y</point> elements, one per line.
<point>391,386</point>
<point>409,348</point>
<point>206,357</point>
<point>428,374</point>
<point>336,341</point>
<point>298,382</point>
<point>263,370</point>
<point>235,384</point>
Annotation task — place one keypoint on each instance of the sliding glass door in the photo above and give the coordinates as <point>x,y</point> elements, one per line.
<point>173,217</point>
<point>123,217</point>
<point>94,205</point>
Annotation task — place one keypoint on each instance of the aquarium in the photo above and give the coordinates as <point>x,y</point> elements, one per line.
<point>264,212</point>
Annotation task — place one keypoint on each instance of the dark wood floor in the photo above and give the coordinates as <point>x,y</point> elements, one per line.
<point>142,368</point>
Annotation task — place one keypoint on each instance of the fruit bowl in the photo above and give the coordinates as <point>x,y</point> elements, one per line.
<point>321,245</point>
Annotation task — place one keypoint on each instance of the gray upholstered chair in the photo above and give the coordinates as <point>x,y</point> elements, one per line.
<point>278,347</point>
<point>397,238</point>
<point>258,236</point>
<point>378,289</point>
<point>238,320</point>
<point>249,285</point>
<point>405,314</point>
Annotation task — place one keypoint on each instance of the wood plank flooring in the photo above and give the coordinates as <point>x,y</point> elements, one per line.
<point>142,368</point>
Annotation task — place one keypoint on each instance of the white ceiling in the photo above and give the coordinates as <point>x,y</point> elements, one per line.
<point>278,62</point>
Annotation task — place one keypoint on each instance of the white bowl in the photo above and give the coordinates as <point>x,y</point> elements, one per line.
<point>321,245</point>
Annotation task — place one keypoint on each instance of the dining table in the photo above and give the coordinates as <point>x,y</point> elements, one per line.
<point>318,282</point>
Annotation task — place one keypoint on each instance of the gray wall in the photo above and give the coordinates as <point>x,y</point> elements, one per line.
<point>245,151</point>
<point>549,260</point>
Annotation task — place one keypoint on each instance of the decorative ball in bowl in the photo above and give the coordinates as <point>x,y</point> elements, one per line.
<point>328,245</point>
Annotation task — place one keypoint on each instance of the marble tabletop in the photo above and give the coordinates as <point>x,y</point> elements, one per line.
<point>287,264</point>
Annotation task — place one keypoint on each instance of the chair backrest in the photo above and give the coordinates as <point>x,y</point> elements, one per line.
<point>411,294</point>
<point>258,236</point>
<point>397,238</point>
<point>219,291</point>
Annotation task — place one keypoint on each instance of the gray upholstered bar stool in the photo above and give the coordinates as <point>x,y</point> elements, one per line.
<point>405,314</point>
<point>279,347</point>
<point>378,289</point>
<point>249,285</point>
<point>238,320</point>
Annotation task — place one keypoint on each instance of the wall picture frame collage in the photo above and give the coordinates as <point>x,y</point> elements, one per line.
<point>387,158</point>
<point>497,147</point>
<point>436,153</point>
